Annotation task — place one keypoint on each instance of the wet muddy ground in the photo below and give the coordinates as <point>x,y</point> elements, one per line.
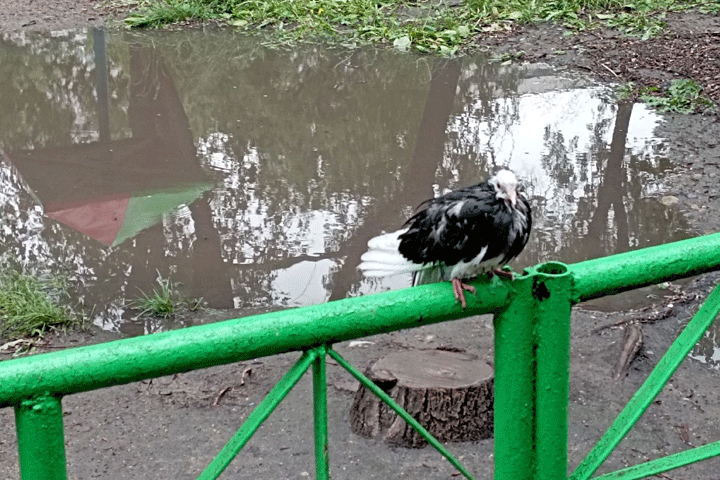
<point>47,15</point>
<point>171,427</point>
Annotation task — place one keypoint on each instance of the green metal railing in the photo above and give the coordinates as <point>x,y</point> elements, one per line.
<point>532,345</point>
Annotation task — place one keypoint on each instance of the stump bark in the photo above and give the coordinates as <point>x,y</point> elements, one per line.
<point>449,393</point>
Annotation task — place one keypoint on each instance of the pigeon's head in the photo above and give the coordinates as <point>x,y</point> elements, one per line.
<point>506,185</point>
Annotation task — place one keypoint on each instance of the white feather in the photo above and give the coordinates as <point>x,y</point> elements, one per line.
<point>383,258</point>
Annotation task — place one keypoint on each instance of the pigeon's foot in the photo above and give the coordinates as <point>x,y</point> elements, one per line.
<point>504,273</point>
<point>459,289</point>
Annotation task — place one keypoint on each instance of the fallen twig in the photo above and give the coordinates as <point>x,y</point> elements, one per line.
<point>219,395</point>
<point>610,70</point>
<point>631,347</point>
<point>247,371</point>
<point>652,313</point>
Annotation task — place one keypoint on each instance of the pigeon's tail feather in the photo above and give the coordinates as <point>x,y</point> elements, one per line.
<point>384,259</point>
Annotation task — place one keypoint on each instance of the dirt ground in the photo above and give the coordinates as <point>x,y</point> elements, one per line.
<point>51,15</point>
<point>688,48</point>
<point>171,427</point>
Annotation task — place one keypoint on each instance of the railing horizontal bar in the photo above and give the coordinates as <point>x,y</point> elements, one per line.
<point>648,266</point>
<point>127,360</point>
<point>258,416</point>
<point>655,382</point>
<point>400,411</point>
<point>669,462</point>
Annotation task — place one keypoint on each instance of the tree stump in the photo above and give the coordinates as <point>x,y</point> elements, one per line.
<point>449,393</point>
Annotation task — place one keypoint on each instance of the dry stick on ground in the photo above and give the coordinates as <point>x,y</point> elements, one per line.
<point>652,313</point>
<point>247,371</point>
<point>631,347</point>
<point>633,331</point>
<point>220,394</point>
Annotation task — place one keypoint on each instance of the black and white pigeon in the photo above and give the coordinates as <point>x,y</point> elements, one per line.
<point>457,236</point>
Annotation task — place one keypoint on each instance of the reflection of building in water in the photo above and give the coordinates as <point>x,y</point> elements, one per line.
<point>306,155</point>
<point>111,190</point>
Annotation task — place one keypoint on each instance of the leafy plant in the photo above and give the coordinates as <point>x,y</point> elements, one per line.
<point>444,27</point>
<point>626,91</point>
<point>163,302</point>
<point>682,96</point>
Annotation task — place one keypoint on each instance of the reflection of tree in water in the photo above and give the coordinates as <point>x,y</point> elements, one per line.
<point>487,91</point>
<point>612,213</point>
<point>303,152</point>
<point>304,162</point>
<point>52,92</point>
<point>41,247</point>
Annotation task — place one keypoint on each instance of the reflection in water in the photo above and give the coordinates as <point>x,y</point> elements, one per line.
<point>255,177</point>
<point>707,350</point>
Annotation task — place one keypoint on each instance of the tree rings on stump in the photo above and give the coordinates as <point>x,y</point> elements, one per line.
<point>449,393</point>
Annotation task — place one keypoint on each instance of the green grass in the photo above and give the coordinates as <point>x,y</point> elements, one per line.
<point>165,301</point>
<point>439,26</point>
<point>682,96</point>
<point>30,306</point>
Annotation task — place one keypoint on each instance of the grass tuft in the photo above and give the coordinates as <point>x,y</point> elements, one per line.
<point>30,306</point>
<point>165,301</point>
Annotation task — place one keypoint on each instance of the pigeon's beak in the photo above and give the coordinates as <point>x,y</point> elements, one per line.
<point>512,196</point>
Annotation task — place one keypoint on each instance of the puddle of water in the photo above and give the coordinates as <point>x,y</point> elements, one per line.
<point>707,350</point>
<point>254,178</point>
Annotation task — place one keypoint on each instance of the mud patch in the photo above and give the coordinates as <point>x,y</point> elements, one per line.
<point>688,48</point>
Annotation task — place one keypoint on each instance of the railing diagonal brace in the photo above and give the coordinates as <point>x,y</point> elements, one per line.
<point>258,416</point>
<point>652,386</point>
<point>663,464</point>
<point>400,411</point>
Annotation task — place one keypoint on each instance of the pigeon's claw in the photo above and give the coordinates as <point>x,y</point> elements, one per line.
<point>459,289</point>
<point>504,273</point>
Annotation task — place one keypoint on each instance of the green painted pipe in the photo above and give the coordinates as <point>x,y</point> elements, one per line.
<point>123,361</point>
<point>551,293</point>
<point>127,360</point>
<point>664,464</point>
<point>258,416</point>
<point>515,385</point>
<point>322,467</point>
<point>41,439</point>
<point>626,271</point>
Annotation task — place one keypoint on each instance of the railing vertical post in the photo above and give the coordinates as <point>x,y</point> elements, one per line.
<point>41,440</point>
<point>322,468</point>
<point>514,384</point>
<point>552,290</point>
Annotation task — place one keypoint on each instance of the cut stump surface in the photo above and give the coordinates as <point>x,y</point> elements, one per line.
<point>449,393</point>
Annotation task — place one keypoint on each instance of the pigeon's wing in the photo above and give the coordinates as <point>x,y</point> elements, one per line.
<point>519,233</point>
<point>451,228</point>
